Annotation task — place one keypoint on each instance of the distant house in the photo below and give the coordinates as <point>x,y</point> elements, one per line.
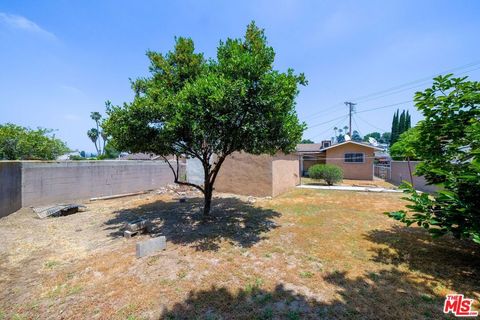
<point>355,158</point>
<point>139,156</point>
<point>67,156</point>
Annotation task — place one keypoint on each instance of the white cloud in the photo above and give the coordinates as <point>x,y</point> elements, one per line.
<point>22,23</point>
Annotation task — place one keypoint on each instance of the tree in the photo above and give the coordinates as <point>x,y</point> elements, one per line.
<point>93,135</point>
<point>375,135</point>
<point>406,146</point>
<point>395,134</point>
<point>208,109</point>
<point>386,137</point>
<point>306,141</point>
<point>356,136</point>
<point>448,143</point>
<point>98,136</point>
<point>83,154</point>
<point>20,143</point>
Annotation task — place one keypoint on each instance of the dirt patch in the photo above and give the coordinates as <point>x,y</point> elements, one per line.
<point>306,254</point>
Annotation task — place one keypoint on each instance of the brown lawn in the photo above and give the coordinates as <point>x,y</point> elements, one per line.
<point>375,183</point>
<point>308,254</point>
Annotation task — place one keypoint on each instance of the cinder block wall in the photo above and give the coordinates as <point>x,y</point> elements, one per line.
<point>27,183</point>
<point>52,182</point>
<point>400,172</point>
<point>10,187</point>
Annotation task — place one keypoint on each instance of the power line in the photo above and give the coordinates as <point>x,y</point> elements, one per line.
<point>336,124</point>
<point>387,106</point>
<point>421,80</point>
<point>319,124</point>
<point>371,125</point>
<point>398,88</point>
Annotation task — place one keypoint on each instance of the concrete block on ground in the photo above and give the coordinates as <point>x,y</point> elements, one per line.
<point>150,246</point>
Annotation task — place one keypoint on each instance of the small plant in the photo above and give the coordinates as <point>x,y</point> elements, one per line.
<point>254,286</point>
<point>306,274</point>
<point>330,173</point>
<point>51,264</point>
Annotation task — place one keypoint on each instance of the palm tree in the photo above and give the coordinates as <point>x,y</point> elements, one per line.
<point>96,116</point>
<point>335,129</point>
<point>93,135</point>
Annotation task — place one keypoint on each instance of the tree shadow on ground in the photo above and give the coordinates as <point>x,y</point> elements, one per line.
<point>445,259</point>
<point>234,220</point>
<point>388,294</point>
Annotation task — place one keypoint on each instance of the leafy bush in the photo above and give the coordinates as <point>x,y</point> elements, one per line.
<point>328,172</point>
<point>448,143</point>
<point>20,143</point>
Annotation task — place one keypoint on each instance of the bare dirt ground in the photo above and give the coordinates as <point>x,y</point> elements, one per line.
<point>308,254</point>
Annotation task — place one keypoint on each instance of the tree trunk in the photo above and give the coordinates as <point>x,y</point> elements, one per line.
<point>207,200</point>
<point>410,171</point>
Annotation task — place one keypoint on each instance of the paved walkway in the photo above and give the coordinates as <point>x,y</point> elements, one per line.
<point>348,188</point>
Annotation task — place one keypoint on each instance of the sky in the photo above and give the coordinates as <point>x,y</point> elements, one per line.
<point>62,59</point>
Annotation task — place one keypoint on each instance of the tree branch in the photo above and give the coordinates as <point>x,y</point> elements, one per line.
<point>175,175</point>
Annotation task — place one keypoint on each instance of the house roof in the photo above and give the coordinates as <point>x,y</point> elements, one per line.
<point>367,145</point>
<point>309,147</point>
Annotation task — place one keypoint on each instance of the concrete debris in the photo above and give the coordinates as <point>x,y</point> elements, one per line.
<point>137,226</point>
<point>58,210</point>
<point>119,195</point>
<point>150,246</point>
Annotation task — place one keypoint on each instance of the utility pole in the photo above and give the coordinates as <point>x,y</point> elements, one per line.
<point>351,108</point>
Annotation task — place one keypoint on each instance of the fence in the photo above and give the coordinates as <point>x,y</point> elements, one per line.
<point>27,183</point>
<point>400,172</point>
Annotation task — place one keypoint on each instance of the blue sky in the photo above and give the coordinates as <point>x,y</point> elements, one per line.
<point>60,60</point>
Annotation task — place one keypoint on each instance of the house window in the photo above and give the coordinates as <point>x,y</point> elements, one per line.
<point>354,157</point>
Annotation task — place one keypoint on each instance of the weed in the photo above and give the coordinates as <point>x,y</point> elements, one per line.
<point>293,315</point>
<point>253,286</point>
<point>306,274</point>
<point>182,273</point>
<point>51,264</point>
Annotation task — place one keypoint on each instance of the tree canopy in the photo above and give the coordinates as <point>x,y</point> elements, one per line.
<point>209,108</point>
<point>20,143</point>
<point>448,143</point>
<point>406,145</point>
<point>306,141</point>
<point>400,124</point>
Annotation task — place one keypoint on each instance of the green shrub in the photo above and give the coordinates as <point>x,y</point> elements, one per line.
<point>328,172</point>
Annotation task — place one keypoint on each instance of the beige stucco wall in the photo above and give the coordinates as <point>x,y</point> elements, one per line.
<point>356,171</point>
<point>258,175</point>
<point>246,174</point>
<point>285,173</point>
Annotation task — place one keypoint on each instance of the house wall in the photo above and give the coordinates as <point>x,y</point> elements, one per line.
<point>10,187</point>
<point>246,174</point>
<point>400,172</point>
<point>285,173</point>
<point>355,171</point>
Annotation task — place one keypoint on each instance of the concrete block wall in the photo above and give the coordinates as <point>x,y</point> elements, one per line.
<point>10,187</point>
<point>400,173</point>
<point>29,183</point>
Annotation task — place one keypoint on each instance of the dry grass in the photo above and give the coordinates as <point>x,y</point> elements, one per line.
<point>375,183</point>
<point>306,254</point>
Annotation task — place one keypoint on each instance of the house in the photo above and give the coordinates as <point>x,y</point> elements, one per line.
<point>355,158</point>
